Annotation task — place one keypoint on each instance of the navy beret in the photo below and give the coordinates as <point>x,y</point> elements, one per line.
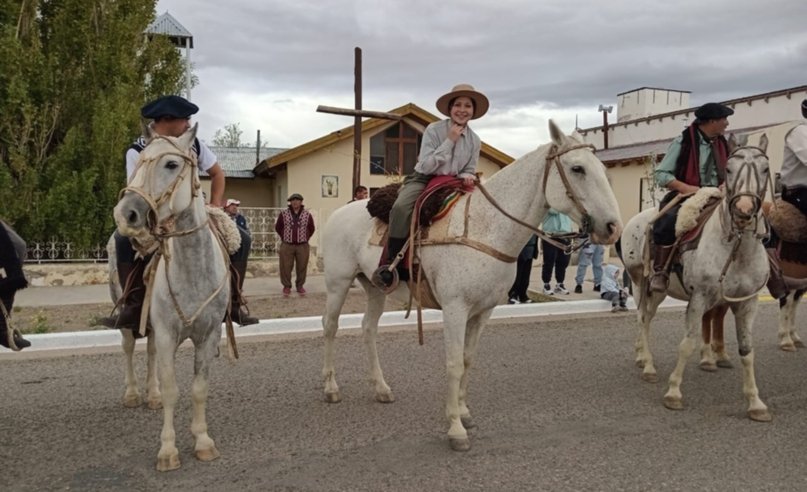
<point>713,111</point>
<point>171,106</point>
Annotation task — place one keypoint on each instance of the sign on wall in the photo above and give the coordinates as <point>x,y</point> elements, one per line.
<point>330,186</point>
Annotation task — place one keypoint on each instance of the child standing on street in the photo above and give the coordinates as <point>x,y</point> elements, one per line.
<point>612,290</point>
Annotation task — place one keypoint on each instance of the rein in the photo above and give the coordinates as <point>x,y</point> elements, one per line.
<point>554,158</point>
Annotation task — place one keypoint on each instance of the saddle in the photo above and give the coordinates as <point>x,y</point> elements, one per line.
<point>693,216</point>
<point>436,201</point>
<point>790,225</point>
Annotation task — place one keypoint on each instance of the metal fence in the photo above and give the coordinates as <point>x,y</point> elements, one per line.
<point>261,222</point>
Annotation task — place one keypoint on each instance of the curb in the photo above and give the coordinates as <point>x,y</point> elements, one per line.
<point>112,338</point>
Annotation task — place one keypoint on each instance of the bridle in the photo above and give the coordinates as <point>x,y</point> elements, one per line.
<point>745,184</point>
<point>554,158</point>
<point>165,228</point>
<point>737,229</point>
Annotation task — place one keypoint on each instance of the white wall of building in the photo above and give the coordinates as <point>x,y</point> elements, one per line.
<point>749,114</point>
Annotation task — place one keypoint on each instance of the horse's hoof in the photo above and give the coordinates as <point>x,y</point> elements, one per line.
<point>468,422</point>
<point>155,404</point>
<point>788,347</point>
<point>333,397</point>
<point>725,364</point>
<point>673,403</point>
<point>799,344</point>
<point>385,397</point>
<point>168,463</point>
<point>650,377</point>
<point>132,401</point>
<point>760,415</point>
<point>708,366</point>
<point>460,444</point>
<point>208,454</point>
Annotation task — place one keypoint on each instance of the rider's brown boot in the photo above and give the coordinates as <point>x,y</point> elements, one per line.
<point>660,279</point>
<point>134,292</point>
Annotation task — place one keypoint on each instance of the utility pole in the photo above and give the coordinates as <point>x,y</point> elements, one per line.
<point>605,110</point>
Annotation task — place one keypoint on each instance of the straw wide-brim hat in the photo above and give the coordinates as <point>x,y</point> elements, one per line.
<point>481,103</point>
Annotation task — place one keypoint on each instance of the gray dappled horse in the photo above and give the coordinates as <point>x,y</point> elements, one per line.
<point>728,267</point>
<point>467,282</point>
<point>190,291</point>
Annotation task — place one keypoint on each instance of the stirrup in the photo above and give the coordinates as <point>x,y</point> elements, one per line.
<point>378,281</point>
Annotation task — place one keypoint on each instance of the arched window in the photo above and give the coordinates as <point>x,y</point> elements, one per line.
<point>395,150</point>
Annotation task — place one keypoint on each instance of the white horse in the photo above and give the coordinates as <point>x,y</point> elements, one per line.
<point>131,394</point>
<point>190,290</point>
<point>467,283</point>
<point>729,266</point>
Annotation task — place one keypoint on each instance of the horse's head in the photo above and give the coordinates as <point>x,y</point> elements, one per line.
<point>164,184</point>
<point>575,184</point>
<point>747,175</point>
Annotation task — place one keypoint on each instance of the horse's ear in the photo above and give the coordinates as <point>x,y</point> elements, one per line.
<point>146,131</point>
<point>187,138</point>
<point>763,142</point>
<point>732,143</point>
<point>576,135</point>
<point>554,132</point>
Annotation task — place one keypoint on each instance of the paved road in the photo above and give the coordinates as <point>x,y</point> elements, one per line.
<point>559,405</point>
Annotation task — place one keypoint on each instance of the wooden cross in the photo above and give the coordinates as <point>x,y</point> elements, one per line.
<point>357,114</point>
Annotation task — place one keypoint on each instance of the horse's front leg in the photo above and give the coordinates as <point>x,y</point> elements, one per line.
<point>744,313</point>
<point>369,325</point>
<point>131,397</point>
<point>694,315</point>
<point>168,456</point>
<point>154,398</point>
<point>648,305</point>
<point>455,318</point>
<point>205,449</point>
<point>473,332</point>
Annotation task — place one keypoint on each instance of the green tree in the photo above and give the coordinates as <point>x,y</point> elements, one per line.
<point>229,136</point>
<point>73,75</point>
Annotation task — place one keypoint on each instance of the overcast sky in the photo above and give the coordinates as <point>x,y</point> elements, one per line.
<point>267,64</point>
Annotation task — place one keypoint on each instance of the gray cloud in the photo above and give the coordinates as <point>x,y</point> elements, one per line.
<point>556,54</point>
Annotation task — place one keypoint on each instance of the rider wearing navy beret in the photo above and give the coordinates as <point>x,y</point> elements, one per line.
<point>175,107</point>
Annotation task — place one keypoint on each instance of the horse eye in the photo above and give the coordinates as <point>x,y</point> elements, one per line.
<point>171,165</point>
<point>578,170</point>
